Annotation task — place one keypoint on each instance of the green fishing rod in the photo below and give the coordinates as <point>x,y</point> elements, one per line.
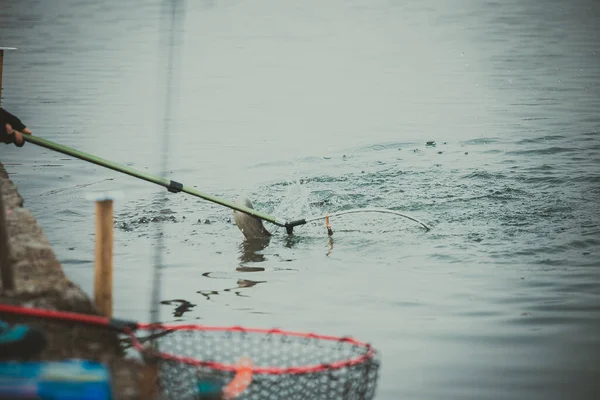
<point>170,185</point>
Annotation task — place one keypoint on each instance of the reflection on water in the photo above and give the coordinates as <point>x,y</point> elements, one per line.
<point>330,250</point>
<point>241,284</point>
<point>182,307</point>
<point>249,269</point>
<point>250,250</point>
<point>291,240</point>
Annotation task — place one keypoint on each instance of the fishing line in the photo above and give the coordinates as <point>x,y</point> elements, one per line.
<point>171,9</point>
<point>367,210</point>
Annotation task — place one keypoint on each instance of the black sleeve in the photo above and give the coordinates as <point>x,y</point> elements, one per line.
<point>15,122</point>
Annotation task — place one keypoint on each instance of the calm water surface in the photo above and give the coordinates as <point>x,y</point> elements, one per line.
<point>314,107</point>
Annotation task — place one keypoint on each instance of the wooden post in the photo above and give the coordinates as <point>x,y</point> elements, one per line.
<point>6,271</point>
<point>149,378</point>
<point>1,64</point>
<point>103,277</point>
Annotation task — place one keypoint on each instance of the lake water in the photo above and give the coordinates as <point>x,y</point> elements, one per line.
<point>313,107</point>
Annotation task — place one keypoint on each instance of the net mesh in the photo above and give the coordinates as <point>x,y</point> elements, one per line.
<point>284,366</point>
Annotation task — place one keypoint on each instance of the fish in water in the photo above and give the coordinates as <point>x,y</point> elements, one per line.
<point>250,226</point>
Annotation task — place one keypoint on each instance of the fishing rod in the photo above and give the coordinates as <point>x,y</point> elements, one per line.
<point>170,185</point>
<point>176,187</point>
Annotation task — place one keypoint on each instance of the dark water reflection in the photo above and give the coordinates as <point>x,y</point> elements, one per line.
<point>182,306</point>
<point>319,107</point>
<point>241,284</point>
<point>251,251</point>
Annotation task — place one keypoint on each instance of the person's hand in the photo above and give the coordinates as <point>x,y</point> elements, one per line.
<point>12,129</point>
<point>17,136</point>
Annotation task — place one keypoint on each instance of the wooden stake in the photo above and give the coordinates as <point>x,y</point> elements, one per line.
<point>149,379</point>
<point>6,271</point>
<point>103,278</point>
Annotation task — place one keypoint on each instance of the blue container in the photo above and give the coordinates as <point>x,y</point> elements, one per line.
<point>54,380</point>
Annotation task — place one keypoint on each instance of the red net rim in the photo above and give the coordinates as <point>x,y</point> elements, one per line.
<point>370,351</point>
